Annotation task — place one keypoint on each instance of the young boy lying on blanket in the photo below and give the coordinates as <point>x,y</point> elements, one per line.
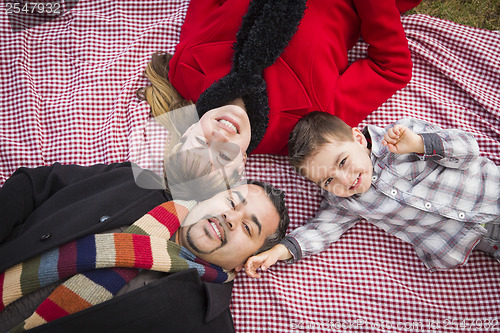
<point>420,183</point>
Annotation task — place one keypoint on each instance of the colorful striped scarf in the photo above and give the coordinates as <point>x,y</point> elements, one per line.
<point>98,266</point>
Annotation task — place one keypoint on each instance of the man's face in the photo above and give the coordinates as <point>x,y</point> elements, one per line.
<point>343,168</point>
<point>230,227</point>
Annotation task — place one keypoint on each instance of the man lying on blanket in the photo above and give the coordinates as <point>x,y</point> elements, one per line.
<point>86,249</point>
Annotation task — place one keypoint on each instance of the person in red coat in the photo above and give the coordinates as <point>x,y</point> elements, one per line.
<point>313,73</point>
<point>254,68</point>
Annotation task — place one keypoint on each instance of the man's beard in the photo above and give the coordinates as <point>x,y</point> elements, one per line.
<point>192,244</point>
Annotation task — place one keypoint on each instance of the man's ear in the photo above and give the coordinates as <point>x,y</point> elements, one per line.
<point>359,137</point>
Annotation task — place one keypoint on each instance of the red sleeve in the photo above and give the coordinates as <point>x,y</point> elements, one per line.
<point>196,16</point>
<point>369,82</point>
<point>205,50</point>
<point>406,5</point>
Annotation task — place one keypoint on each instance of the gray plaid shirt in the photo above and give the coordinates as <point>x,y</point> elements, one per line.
<point>436,201</point>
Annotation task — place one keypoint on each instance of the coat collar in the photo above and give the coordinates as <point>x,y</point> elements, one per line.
<point>218,299</point>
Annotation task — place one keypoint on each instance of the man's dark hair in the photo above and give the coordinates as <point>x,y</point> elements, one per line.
<point>277,197</point>
<point>311,133</point>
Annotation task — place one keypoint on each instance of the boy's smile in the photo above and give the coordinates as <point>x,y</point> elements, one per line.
<point>343,168</point>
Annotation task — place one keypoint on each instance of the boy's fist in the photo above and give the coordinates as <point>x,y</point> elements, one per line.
<point>401,140</point>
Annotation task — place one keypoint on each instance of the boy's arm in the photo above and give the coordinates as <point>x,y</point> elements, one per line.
<point>452,148</point>
<point>329,224</point>
<point>266,259</point>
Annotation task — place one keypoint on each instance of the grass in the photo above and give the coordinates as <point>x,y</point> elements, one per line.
<point>484,14</point>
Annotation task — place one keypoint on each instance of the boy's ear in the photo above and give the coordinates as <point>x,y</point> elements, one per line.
<point>359,137</point>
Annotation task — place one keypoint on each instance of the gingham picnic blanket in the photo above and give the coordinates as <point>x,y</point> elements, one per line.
<point>67,94</point>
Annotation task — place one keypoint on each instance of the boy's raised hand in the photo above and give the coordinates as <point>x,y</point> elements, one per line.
<point>266,259</point>
<point>401,140</point>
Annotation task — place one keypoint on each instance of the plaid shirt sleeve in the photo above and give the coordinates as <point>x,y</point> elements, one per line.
<point>331,222</point>
<point>451,148</point>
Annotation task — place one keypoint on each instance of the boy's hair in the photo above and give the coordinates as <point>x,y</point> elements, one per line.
<point>311,133</point>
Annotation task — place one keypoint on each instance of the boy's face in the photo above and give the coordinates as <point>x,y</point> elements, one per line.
<point>343,168</point>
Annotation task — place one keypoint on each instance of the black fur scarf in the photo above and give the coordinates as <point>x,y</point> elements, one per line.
<point>265,32</point>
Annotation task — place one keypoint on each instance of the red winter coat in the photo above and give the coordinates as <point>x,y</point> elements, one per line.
<point>313,73</point>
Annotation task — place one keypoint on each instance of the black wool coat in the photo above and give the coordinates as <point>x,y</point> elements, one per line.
<point>46,207</point>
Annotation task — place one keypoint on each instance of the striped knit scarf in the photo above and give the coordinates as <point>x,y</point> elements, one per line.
<point>98,266</point>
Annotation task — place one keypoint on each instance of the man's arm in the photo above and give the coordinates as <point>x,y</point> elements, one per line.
<point>27,189</point>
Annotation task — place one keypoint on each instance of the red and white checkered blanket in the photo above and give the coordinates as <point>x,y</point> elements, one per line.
<point>67,94</point>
